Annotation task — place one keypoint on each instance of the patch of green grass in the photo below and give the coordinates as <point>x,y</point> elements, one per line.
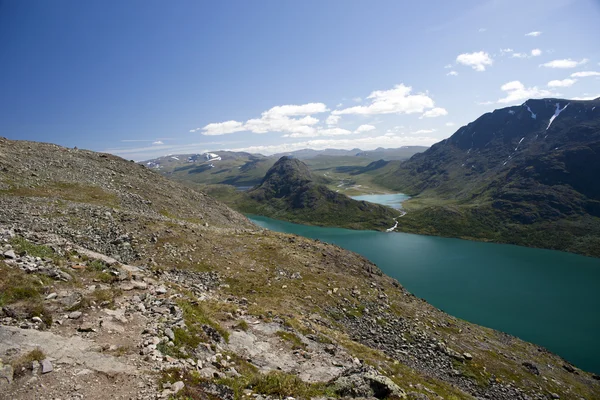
<point>96,265</point>
<point>291,337</point>
<point>473,371</point>
<point>105,296</point>
<point>186,340</point>
<point>18,287</point>
<point>22,245</point>
<point>282,385</point>
<point>242,325</point>
<point>68,191</point>
<point>24,362</point>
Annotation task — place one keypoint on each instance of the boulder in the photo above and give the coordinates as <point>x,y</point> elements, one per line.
<point>366,382</point>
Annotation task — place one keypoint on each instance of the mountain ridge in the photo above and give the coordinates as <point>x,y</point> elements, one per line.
<point>527,167</point>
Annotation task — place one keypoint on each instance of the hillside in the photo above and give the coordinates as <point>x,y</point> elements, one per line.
<point>117,282</point>
<point>524,174</point>
<point>335,168</point>
<point>221,167</point>
<point>290,192</point>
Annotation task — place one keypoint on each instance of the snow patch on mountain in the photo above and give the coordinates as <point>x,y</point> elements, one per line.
<point>556,113</point>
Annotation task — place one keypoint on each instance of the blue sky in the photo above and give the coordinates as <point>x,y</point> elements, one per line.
<point>142,79</point>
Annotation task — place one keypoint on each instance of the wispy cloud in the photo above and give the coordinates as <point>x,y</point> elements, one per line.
<point>452,73</point>
<point>536,52</point>
<point>158,142</point>
<point>534,33</point>
<point>478,60</point>
<point>584,74</point>
<point>564,63</point>
<point>586,97</point>
<point>332,120</point>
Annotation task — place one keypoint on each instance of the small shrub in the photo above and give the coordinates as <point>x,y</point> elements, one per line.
<point>25,362</point>
<point>242,325</point>
<point>296,342</point>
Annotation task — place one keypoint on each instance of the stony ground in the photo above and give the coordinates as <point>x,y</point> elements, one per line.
<point>115,283</point>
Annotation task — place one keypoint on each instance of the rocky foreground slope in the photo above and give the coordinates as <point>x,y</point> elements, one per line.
<point>115,282</point>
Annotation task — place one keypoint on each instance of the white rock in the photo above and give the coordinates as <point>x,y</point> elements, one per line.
<point>46,366</point>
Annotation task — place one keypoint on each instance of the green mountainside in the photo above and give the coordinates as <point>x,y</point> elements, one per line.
<point>336,168</point>
<point>524,174</point>
<point>290,192</point>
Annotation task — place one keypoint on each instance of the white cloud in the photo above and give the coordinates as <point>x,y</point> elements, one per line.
<point>222,128</point>
<point>448,66</point>
<point>276,119</point>
<point>364,128</point>
<point>477,60</point>
<point>507,50</point>
<point>450,124</point>
<point>516,91</point>
<point>393,101</point>
<point>586,97</point>
<point>485,103</point>
<point>356,99</point>
<point>564,63</point>
<point>158,142</point>
<point>333,120</point>
<point>422,132</point>
<point>563,83</point>
<point>338,105</point>
<point>536,52</point>
<point>519,55</point>
<point>434,112</point>
<point>452,73</point>
<point>318,132</point>
<point>584,74</point>
<point>534,33</point>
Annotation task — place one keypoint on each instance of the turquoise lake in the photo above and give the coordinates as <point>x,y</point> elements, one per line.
<point>546,297</point>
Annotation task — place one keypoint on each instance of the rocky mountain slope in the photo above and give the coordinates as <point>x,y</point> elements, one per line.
<point>523,174</point>
<point>289,191</point>
<point>116,282</point>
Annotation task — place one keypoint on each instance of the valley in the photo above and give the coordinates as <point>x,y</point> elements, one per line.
<point>99,245</point>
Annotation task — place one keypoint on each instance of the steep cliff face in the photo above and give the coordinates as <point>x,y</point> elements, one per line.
<point>529,164</point>
<point>115,279</point>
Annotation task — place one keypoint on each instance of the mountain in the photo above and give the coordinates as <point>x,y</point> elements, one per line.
<point>400,153</point>
<point>524,174</point>
<point>113,278</point>
<point>243,169</point>
<point>290,192</point>
<point>219,167</point>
